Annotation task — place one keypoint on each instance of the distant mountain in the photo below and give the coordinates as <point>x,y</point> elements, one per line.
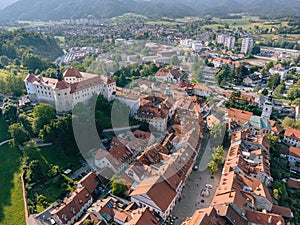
<point>5,3</point>
<point>66,9</point>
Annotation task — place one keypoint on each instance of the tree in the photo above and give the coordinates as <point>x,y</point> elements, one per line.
<point>241,72</point>
<point>294,92</point>
<point>268,67</point>
<point>274,146</point>
<point>26,123</point>
<point>14,85</point>
<point>87,222</point>
<point>273,81</point>
<point>265,92</point>
<point>117,186</point>
<point>279,90</point>
<point>290,122</point>
<point>34,171</point>
<point>213,166</point>
<point>4,60</point>
<point>42,200</point>
<point>174,60</point>
<point>217,134</point>
<point>18,133</point>
<point>222,75</point>
<point>9,110</point>
<point>53,171</point>
<point>218,155</point>
<point>43,114</point>
<point>59,130</point>
<point>30,149</point>
<point>235,96</point>
<point>279,191</point>
<point>255,50</point>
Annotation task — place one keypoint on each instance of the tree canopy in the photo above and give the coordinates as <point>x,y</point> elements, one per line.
<point>43,114</point>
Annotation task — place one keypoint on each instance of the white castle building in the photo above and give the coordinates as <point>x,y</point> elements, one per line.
<point>69,88</point>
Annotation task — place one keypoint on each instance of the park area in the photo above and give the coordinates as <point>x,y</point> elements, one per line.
<point>11,198</point>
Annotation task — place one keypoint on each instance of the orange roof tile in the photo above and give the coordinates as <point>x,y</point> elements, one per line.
<point>238,115</point>
<point>264,218</point>
<point>295,152</point>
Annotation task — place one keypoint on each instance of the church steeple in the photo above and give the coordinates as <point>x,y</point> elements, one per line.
<point>268,107</point>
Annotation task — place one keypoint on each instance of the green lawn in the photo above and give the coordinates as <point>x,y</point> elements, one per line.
<point>47,156</point>
<point>56,155</point>
<point>11,198</point>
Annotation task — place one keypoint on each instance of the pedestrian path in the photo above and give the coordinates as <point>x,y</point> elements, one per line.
<point>4,142</point>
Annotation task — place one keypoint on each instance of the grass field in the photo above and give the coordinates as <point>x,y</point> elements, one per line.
<point>47,156</point>
<point>11,199</point>
<point>55,155</point>
<point>247,23</point>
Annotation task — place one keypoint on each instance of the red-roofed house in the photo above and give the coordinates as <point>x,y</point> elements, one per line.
<point>169,75</point>
<point>292,137</point>
<point>294,154</point>
<point>156,194</point>
<point>73,208</point>
<point>294,183</point>
<point>264,218</point>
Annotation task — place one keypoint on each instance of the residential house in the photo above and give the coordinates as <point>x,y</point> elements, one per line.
<point>240,116</point>
<point>252,79</point>
<point>279,69</point>
<point>294,155</point>
<point>72,208</point>
<point>211,121</point>
<point>157,194</point>
<point>169,75</point>
<point>292,137</point>
<point>255,218</point>
<point>202,91</point>
<point>294,183</point>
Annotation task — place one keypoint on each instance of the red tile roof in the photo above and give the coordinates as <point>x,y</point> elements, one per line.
<point>283,211</point>
<point>158,190</point>
<point>143,217</point>
<point>61,85</point>
<point>163,72</point>
<point>264,218</point>
<point>292,133</point>
<point>71,206</point>
<point>294,183</point>
<point>90,181</point>
<point>72,72</point>
<point>238,115</point>
<point>295,152</point>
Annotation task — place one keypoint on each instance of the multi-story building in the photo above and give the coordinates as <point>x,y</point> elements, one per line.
<point>229,42</point>
<point>247,45</point>
<point>69,88</point>
<point>226,40</point>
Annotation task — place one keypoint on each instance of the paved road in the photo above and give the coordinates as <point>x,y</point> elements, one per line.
<point>76,173</point>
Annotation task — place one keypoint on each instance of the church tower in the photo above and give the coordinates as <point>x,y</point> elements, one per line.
<point>268,107</point>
